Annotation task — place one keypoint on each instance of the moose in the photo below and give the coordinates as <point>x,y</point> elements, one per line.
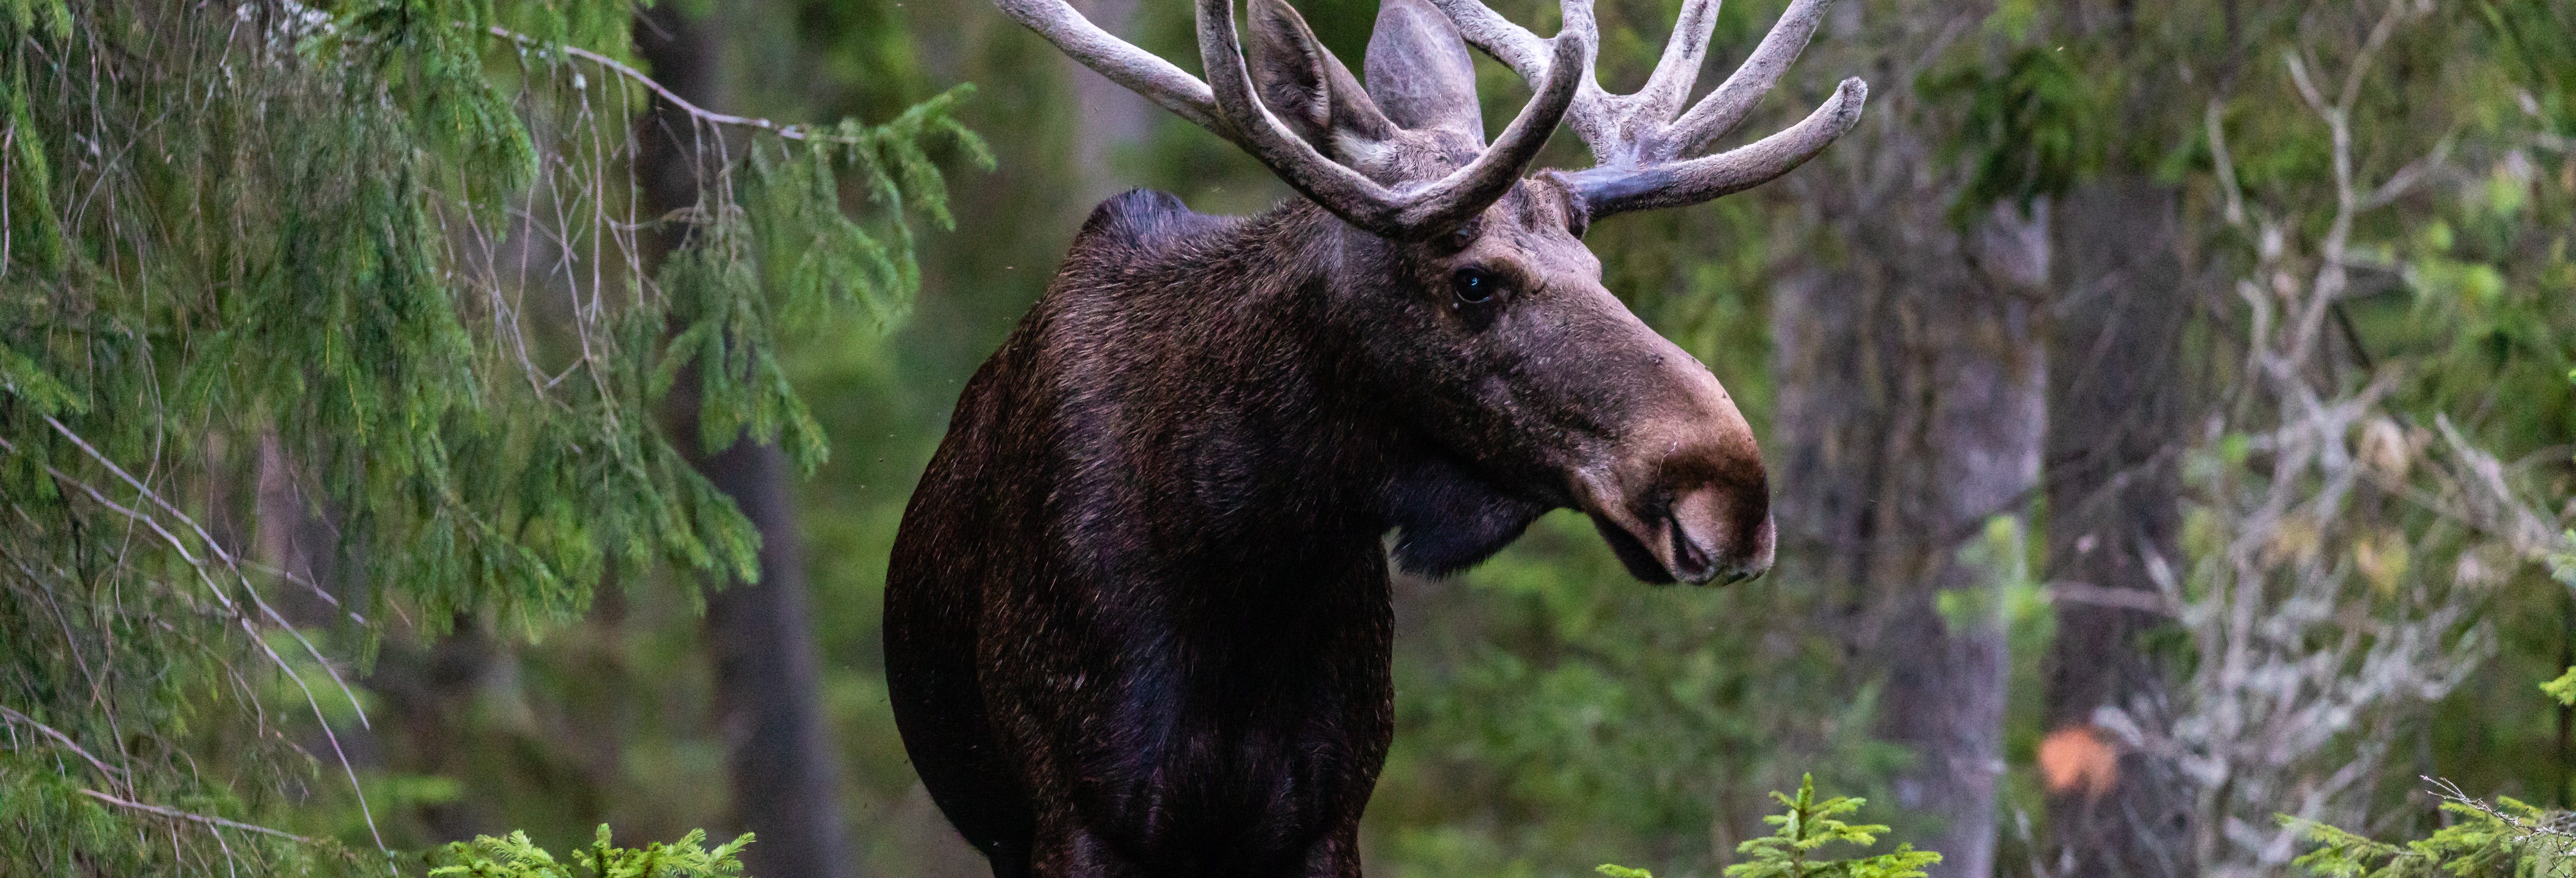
<point>1137,617</point>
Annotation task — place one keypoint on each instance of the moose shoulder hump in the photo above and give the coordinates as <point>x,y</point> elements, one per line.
<point>1144,220</point>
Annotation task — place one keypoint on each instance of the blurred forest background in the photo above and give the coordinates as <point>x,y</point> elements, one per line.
<point>2169,406</point>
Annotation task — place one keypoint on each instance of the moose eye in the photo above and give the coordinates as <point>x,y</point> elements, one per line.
<point>1475,286</point>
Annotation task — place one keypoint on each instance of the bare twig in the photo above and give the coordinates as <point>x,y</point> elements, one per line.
<point>59,737</point>
<point>2448,791</point>
<point>2215,120</point>
<point>2299,686</point>
<point>217,549</point>
<point>2121,598</point>
<point>239,618</point>
<point>791,132</point>
<point>192,817</point>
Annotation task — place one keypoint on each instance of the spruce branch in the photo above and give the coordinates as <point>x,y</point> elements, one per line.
<point>2512,814</point>
<point>1806,826</point>
<point>2502,837</point>
<point>702,114</point>
<point>514,856</point>
<point>2563,688</point>
<point>359,326</point>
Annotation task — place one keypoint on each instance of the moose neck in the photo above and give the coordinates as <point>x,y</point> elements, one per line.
<point>1230,389</point>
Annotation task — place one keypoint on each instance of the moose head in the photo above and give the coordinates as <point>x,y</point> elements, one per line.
<point>1137,618</point>
<point>1494,327</point>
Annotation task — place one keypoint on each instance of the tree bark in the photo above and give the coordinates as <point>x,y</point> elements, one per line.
<point>2116,413</point>
<point>1911,403</point>
<point>768,668</point>
<point>768,675</point>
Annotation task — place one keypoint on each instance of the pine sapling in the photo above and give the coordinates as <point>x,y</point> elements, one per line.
<point>1806,827</point>
<point>515,856</point>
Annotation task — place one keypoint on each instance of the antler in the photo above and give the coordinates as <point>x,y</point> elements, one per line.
<point>1232,109</point>
<point>1637,139</point>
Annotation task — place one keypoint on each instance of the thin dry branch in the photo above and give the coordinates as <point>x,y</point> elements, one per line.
<point>2297,692</point>
<point>192,816</point>
<point>702,114</point>
<point>2449,791</point>
<point>242,619</point>
<point>63,739</point>
<point>2069,592</point>
<point>217,550</point>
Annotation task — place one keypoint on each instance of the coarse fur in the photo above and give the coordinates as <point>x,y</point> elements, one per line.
<point>1137,617</point>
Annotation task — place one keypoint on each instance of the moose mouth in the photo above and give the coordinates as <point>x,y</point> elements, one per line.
<point>1692,564</point>
<point>1661,544</point>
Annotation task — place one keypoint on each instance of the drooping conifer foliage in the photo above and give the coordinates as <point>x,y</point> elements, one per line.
<point>386,252</point>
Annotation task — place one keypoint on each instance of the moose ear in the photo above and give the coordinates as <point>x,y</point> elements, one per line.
<point>1418,69</point>
<point>1305,85</point>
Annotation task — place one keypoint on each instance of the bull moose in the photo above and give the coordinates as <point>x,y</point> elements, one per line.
<point>1137,617</point>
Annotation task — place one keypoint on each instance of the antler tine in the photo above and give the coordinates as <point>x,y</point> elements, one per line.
<point>1232,109</point>
<point>1421,213</point>
<point>1734,99</point>
<point>1138,70</point>
<point>1528,54</point>
<point>1635,139</point>
<point>1640,129</point>
<point>1524,52</point>
<point>1608,190</point>
<point>1678,69</point>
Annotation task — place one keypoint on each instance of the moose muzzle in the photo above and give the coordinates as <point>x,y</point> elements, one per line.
<point>1682,496</point>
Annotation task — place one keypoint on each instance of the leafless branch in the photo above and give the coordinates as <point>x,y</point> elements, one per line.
<point>216,549</point>
<point>192,817</point>
<point>2121,598</point>
<point>2215,120</point>
<point>199,566</point>
<point>66,740</point>
<point>702,114</point>
<point>2449,791</point>
<point>2317,641</point>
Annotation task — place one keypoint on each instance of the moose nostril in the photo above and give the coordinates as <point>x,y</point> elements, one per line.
<point>1691,560</point>
<point>1717,534</point>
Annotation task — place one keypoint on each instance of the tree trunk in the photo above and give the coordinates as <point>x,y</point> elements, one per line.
<point>768,677</point>
<point>768,669</point>
<point>2115,411</point>
<point>1911,403</point>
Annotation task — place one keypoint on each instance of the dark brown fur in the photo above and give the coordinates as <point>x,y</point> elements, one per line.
<point>1137,618</point>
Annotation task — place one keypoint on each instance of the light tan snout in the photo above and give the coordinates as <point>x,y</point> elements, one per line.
<point>1681,495</point>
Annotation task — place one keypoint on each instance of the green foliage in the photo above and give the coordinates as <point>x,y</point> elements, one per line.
<point>37,390</point>
<point>368,278</point>
<point>2530,38</point>
<point>2563,567</point>
<point>1548,706</point>
<point>2028,129</point>
<point>1807,826</point>
<point>790,257</point>
<point>2505,839</point>
<point>517,857</point>
<point>1554,708</point>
